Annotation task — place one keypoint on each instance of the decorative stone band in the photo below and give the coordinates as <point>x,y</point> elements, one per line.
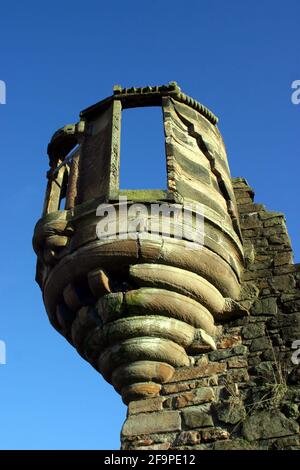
<point>136,335</point>
<point>181,281</point>
<point>114,255</point>
<point>63,232</point>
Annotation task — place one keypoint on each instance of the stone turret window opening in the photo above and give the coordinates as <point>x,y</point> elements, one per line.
<point>64,188</point>
<point>142,149</point>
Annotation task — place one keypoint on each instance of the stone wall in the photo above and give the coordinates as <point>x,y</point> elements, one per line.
<point>245,394</point>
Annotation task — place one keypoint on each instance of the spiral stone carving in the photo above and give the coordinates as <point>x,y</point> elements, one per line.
<point>136,306</point>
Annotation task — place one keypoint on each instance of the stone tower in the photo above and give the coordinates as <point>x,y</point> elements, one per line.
<point>186,300</point>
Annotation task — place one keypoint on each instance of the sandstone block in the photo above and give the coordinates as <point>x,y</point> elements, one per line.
<point>195,417</point>
<point>147,423</point>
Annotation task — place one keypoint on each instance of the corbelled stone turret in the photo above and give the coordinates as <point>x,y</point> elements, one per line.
<point>141,282</point>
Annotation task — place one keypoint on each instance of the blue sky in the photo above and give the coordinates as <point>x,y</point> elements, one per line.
<point>238,58</point>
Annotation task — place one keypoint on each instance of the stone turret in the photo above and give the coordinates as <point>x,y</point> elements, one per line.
<point>167,293</point>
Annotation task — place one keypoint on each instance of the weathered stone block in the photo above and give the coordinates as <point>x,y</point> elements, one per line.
<point>194,417</point>
<point>188,438</point>
<point>258,274</point>
<point>267,425</point>
<point>251,221</point>
<point>287,443</point>
<point>292,306</point>
<point>162,446</point>
<point>147,423</point>
<point>222,354</point>
<point>191,385</point>
<point>262,265</point>
<point>234,444</point>
<point>284,269</point>
<point>253,330</point>
<point>270,215</point>
<point>283,283</point>
<point>189,373</point>
<point>237,375</point>
<point>265,371</point>
<point>201,395</point>
<point>253,232</point>
<point>229,342</point>
<point>148,405</point>
<point>285,257</point>
<point>244,200</point>
<point>214,434</point>
<point>231,412</point>
<point>259,344</point>
<point>265,306</point>
<point>237,362</point>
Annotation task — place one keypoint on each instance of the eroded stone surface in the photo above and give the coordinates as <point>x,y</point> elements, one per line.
<point>146,423</point>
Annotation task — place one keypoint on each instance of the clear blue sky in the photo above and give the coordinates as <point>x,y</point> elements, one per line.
<point>238,58</point>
